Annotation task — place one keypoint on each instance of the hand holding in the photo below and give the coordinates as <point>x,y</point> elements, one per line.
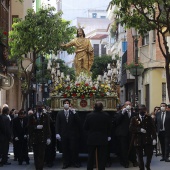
<point>124,110</point>
<point>143,130</point>
<point>154,142</point>
<point>48,141</point>
<point>16,139</point>
<point>58,137</point>
<point>39,126</point>
<point>109,139</point>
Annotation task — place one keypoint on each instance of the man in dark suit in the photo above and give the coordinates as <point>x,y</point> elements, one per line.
<point>68,132</point>
<point>163,129</point>
<point>144,136</point>
<point>20,134</point>
<point>123,134</point>
<point>98,127</point>
<point>5,136</point>
<point>39,133</point>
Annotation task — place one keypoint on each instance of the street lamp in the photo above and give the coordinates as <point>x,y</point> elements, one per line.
<point>135,39</point>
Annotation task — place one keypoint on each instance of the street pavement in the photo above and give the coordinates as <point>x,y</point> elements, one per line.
<point>155,165</point>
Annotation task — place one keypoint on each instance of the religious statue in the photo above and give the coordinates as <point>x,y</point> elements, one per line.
<point>84,52</point>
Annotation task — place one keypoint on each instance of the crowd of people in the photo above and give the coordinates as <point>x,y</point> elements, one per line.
<point>136,133</point>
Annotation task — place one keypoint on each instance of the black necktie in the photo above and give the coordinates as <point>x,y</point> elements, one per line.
<point>162,120</point>
<point>142,118</point>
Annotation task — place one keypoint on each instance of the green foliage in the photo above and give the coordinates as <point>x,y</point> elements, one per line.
<point>41,32</point>
<point>143,15</point>
<point>133,65</point>
<point>100,65</point>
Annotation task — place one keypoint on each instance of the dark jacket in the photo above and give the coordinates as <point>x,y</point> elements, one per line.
<point>139,137</point>
<point>5,128</point>
<point>64,128</point>
<point>19,130</point>
<point>166,123</point>
<point>122,122</point>
<point>39,135</point>
<point>98,126</point>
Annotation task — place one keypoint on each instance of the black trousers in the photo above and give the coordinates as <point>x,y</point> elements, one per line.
<point>39,153</point>
<point>101,156</point>
<point>125,154</point>
<point>4,151</point>
<point>22,150</point>
<point>164,141</point>
<point>70,148</point>
<point>148,149</point>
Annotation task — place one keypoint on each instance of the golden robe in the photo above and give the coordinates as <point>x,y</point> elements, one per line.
<point>84,54</point>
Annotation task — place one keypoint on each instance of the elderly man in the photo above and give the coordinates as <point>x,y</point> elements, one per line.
<point>124,135</point>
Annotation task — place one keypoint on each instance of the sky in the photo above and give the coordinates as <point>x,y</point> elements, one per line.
<point>78,8</point>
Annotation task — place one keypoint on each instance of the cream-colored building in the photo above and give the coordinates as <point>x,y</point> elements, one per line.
<point>152,82</point>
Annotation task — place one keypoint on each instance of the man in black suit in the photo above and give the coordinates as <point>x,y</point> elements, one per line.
<point>163,129</point>
<point>98,127</point>
<point>68,132</point>
<point>5,136</point>
<point>20,134</point>
<point>124,135</point>
<point>144,136</point>
<point>40,134</point>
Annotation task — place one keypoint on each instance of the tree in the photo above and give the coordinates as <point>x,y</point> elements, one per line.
<point>100,65</point>
<point>148,15</point>
<point>39,33</point>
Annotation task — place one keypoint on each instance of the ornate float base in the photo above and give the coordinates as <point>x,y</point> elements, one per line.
<point>109,103</point>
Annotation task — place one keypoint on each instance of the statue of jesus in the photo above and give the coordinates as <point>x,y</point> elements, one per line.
<point>84,52</point>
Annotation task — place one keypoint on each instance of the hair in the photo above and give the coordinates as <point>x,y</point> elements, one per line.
<point>164,104</point>
<point>98,106</point>
<point>5,110</point>
<point>66,100</point>
<point>21,112</point>
<point>82,31</point>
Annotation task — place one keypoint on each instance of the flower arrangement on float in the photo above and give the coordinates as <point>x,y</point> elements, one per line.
<point>83,88</point>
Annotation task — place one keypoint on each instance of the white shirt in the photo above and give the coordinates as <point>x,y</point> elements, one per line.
<point>129,113</point>
<point>141,117</point>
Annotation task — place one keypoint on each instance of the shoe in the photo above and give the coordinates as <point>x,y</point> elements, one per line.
<point>65,166</point>
<point>76,165</point>
<point>50,165</point>
<point>27,162</point>
<point>15,159</point>
<point>135,164</point>
<point>19,163</point>
<point>162,159</point>
<point>167,160</point>
<point>1,165</point>
<point>148,168</point>
<point>126,166</point>
<point>7,163</point>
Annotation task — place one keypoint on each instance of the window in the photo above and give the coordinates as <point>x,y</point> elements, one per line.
<point>96,49</point>
<point>145,39</point>
<point>94,15</point>
<point>103,49</point>
<point>164,92</point>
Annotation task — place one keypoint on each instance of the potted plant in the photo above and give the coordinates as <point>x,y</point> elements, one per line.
<point>135,69</point>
